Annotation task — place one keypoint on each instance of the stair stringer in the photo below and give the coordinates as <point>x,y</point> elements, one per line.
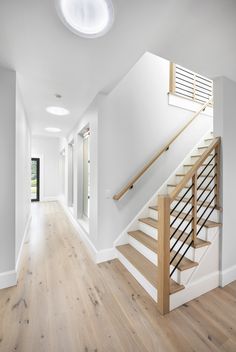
<point>134,224</point>
<point>204,278</point>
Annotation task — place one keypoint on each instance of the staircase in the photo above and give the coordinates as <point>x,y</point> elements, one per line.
<point>172,246</point>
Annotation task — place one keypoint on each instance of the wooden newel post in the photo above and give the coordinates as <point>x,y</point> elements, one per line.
<point>194,210</point>
<point>163,252</point>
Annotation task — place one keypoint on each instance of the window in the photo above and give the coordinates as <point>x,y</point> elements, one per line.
<point>35,184</point>
<point>190,85</point>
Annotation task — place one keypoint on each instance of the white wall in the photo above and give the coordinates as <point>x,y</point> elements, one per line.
<point>135,121</point>
<point>127,127</point>
<point>14,177</point>
<point>225,126</point>
<point>7,174</point>
<point>47,148</point>
<point>23,173</point>
<point>89,119</point>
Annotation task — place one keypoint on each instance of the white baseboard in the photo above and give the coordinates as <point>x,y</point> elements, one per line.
<point>227,276</point>
<point>194,290</point>
<point>25,236</point>
<point>8,279</point>
<point>97,256</point>
<point>105,255</point>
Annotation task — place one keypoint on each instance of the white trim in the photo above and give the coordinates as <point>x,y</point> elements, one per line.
<point>97,256</point>
<point>195,289</point>
<point>227,276</point>
<point>105,254</point>
<point>8,279</point>
<point>25,236</point>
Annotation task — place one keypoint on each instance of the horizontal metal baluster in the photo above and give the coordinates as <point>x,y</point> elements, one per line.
<point>181,223</point>
<point>181,199</point>
<point>206,188</point>
<point>206,209</point>
<point>206,198</point>
<point>206,219</point>
<point>207,175</point>
<point>181,234</point>
<point>181,257</point>
<point>181,211</point>
<point>206,166</point>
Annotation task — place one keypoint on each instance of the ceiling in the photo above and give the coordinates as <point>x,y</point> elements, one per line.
<point>50,60</point>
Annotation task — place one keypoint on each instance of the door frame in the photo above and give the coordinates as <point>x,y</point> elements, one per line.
<point>38,179</point>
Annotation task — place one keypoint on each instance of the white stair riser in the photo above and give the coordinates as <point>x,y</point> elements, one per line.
<point>182,277</point>
<point>153,214</point>
<point>213,217</point>
<point>152,232</point>
<point>194,254</point>
<point>200,179</point>
<point>146,252</point>
<point>206,169</point>
<point>149,230</point>
<point>151,290</point>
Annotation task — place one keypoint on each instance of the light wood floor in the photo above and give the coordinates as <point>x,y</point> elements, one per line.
<point>64,302</point>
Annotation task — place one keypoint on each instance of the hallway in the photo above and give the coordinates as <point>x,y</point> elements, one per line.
<point>64,302</point>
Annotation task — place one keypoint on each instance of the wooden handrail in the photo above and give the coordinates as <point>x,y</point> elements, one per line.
<point>193,170</point>
<point>167,215</point>
<point>131,183</point>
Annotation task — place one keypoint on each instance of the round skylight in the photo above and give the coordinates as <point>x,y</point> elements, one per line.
<point>57,110</point>
<point>87,18</point>
<point>52,129</point>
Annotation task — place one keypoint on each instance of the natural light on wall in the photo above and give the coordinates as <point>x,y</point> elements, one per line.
<point>86,18</point>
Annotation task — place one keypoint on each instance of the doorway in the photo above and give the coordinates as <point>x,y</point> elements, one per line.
<point>86,173</point>
<point>35,180</point>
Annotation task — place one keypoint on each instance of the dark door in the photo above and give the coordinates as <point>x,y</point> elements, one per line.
<point>35,179</point>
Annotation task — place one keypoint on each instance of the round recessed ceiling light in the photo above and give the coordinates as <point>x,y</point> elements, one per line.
<point>52,129</point>
<point>57,110</point>
<point>87,18</point>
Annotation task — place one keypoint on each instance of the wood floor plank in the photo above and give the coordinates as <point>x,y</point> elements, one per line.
<point>65,302</point>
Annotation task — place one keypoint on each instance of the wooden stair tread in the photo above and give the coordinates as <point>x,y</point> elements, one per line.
<point>182,175</point>
<point>146,240</point>
<point>154,207</point>
<point>198,155</point>
<point>198,243</point>
<point>207,224</point>
<point>204,164</point>
<point>199,189</point>
<point>145,267</point>
<point>185,263</point>
<point>152,244</point>
<point>141,263</point>
<point>175,287</point>
<point>154,223</point>
<point>150,221</point>
<point>185,200</point>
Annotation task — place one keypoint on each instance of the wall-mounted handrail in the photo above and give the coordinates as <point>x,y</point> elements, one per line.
<point>131,183</point>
